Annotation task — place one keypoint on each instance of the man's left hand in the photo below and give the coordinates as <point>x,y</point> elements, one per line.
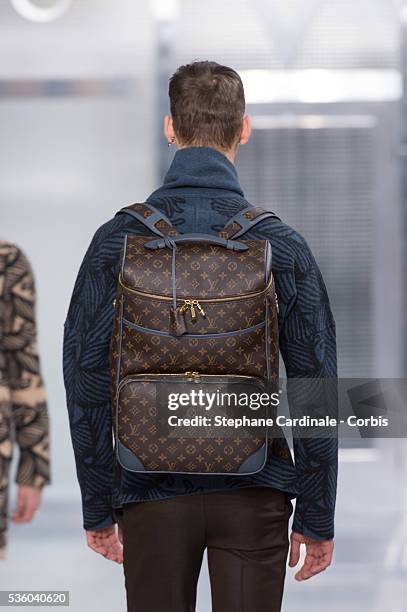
<point>318,555</point>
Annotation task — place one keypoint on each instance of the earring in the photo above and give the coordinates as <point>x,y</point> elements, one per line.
<point>171,142</point>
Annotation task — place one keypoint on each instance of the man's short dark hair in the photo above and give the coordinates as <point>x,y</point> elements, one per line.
<point>207,104</point>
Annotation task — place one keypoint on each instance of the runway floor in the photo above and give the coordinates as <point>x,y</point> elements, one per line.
<point>369,573</point>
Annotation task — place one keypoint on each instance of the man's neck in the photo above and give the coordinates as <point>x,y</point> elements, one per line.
<point>229,153</point>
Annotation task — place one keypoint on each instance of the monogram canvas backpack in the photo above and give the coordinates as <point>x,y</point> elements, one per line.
<point>195,322</point>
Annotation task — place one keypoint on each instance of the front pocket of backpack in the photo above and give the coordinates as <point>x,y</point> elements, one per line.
<point>151,437</point>
<point>234,352</point>
<point>220,315</point>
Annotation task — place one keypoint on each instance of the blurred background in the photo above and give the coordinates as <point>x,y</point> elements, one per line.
<point>83,89</point>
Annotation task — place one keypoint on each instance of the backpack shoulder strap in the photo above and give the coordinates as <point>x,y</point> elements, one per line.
<point>245,220</point>
<point>152,218</point>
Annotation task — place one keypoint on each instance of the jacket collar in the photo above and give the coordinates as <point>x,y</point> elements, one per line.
<point>200,167</point>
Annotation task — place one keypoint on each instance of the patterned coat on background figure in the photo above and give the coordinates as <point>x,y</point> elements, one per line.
<point>23,409</point>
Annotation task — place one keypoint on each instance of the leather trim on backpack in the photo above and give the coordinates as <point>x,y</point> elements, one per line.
<point>245,220</point>
<point>152,218</point>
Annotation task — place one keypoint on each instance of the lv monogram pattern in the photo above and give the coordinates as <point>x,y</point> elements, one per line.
<point>162,224</point>
<point>207,271</point>
<point>222,316</point>
<point>237,354</point>
<point>138,430</point>
<point>231,339</point>
<point>233,227</point>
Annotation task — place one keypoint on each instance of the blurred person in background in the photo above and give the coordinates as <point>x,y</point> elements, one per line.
<point>167,520</point>
<point>23,410</point>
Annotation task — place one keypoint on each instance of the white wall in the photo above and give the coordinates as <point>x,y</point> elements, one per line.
<point>68,163</point>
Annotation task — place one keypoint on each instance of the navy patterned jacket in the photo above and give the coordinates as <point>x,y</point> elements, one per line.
<point>200,193</point>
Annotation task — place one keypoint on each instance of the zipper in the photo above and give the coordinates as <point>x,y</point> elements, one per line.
<point>190,375</point>
<point>159,332</point>
<point>192,306</point>
<point>193,375</point>
<point>194,300</point>
<point>197,376</point>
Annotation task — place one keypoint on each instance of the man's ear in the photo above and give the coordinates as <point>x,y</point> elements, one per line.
<point>246,130</point>
<point>169,129</point>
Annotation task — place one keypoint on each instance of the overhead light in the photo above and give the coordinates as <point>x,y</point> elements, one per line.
<point>321,86</point>
<point>283,121</point>
<point>41,11</point>
<point>165,10</point>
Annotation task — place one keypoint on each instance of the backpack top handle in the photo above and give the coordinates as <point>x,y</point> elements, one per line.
<point>161,243</point>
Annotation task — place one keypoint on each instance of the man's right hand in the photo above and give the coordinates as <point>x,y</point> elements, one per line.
<point>107,542</point>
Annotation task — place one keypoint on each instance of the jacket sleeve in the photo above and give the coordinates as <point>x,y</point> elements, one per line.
<point>27,393</point>
<point>308,347</point>
<point>88,329</point>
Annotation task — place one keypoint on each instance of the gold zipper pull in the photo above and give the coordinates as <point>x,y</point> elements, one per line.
<point>200,309</point>
<point>193,375</point>
<point>193,312</point>
<point>184,307</point>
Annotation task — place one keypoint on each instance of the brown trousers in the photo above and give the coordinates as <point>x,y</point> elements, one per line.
<point>244,531</point>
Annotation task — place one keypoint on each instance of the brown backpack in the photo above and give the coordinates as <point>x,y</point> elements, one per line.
<point>193,312</point>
